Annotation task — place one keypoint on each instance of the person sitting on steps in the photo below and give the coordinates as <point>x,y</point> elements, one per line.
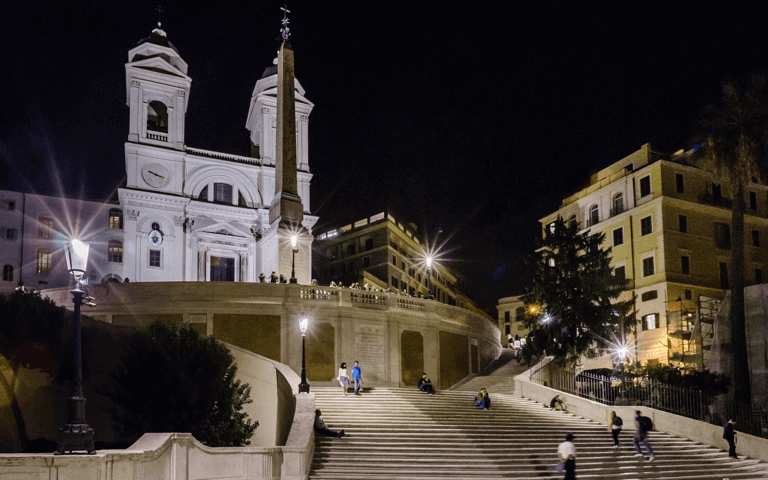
<point>482,400</point>
<point>425,384</point>
<point>557,403</point>
<point>322,429</point>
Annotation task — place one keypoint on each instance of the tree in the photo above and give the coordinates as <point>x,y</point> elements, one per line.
<point>172,379</point>
<point>31,328</point>
<point>570,302</point>
<point>734,147</point>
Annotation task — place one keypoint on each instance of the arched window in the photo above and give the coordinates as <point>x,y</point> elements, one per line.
<point>157,117</point>
<point>116,218</point>
<point>618,203</point>
<point>222,193</point>
<point>594,215</point>
<point>241,200</point>
<point>519,314</point>
<point>572,221</point>
<point>7,273</point>
<point>115,251</point>
<point>203,194</point>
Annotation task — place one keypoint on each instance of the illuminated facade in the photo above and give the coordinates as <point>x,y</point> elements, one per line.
<point>668,225</point>
<point>385,253</point>
<point>185,214</point>
<point>511,319</point>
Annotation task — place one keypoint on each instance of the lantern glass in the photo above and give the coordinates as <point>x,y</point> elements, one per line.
<point>303,324</point>
<point>76,253</point>
<point>294,240</point>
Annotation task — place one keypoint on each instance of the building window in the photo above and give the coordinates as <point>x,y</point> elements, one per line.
<point>685,265</point>
<point>222,193</point>
<point>717,194</point>
<point>394,260</point>
<point>683,222</point>
<point>723,236</point>
<point>402,266</point>
<point>648,269</point>
<point>351,249</point>
<point>645,186</point>
<point>45,227</point>
<point>222,269</point>
<point>594,215</point>
<point>366,261</point>
<point>620,272</point>
<point>752,201</point>
<point>758,275</point>
<point>9,233</point>
<point>646,226</point>
<point>618,237</point>
<point>157,117</point>
<point>650,295</point>
<point>618,204</point>
<point>368,244</point>
<point>7,273</point>
<point>724,276</point>
<point>688,294</point>
<point>679,182</point>
<point>115,251</point>
<point>241,200</point>
<point>650,321</point>
<point>203,194</point>
<point>154,258</point>
<point>755,238</point>
<point>44,262</point>
<point>116,218</point>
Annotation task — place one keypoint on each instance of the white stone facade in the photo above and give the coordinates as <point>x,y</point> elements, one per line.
<point>187,214</point>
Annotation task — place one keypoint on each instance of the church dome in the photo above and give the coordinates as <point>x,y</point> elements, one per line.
<point>158,37</point>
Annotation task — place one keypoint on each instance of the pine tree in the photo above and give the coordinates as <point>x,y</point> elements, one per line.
<point>570,301</point>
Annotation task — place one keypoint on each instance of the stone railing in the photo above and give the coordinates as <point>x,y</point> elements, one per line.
<point>221,156</point>
<point>162,137</point>
<point>411,303</point>
<point>320,293</point>
<point>178,456</point>
<point>370,298</point>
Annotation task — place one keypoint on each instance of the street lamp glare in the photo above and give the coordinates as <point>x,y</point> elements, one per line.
<point>76,253</point>
<point>303,323</point>
<point>429,262</point>
<point>294,240</point>
<point>622,351</point>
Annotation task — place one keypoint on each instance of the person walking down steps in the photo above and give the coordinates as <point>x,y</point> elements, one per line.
<point>644,425</point>
<point>343,378</point>
<point>729,435</point>
<point>357,377</point>
<point>566,452</point>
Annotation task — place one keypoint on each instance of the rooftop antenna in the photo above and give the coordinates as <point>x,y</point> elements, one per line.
<point>285,31</point>
<point>159,13</point>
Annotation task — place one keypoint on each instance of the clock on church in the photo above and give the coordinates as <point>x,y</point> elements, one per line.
<point>155,175</point>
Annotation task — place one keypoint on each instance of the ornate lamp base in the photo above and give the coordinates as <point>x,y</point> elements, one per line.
<point>75,437</point>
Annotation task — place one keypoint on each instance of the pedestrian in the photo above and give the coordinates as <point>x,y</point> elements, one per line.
<point>425,384</point>
<point>273,278</point>
<point>357,377</point>
<point>322,429</point>
<point>343,378</point>
<point>566,452</point>
<point>483,400</point>
<point>729,434</point>
<point>644,425</point>
<point>615,428</point>
<point>557,403</point>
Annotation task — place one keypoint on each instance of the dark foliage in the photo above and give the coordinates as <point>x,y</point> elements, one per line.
<point>173,379</point>
<point>709,383</point>
<point>570,300</point>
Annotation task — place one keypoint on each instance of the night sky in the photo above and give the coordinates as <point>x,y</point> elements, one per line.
<point>470,118</point>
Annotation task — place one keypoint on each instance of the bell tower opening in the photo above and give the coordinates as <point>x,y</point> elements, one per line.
<point>157,117</point>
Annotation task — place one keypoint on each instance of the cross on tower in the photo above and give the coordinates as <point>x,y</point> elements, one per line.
<point>285,31</point>
<point>159,13</point>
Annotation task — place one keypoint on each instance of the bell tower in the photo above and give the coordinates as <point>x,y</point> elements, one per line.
<point>157,90</point>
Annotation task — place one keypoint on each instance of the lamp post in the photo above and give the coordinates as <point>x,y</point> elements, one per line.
<point>622,351</point>
<point>429,276</point>
<point>294,243</point>
<point>303,324</point>
<point>76,434</point>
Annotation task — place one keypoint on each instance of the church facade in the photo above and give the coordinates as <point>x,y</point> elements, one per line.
<point>185,214</point>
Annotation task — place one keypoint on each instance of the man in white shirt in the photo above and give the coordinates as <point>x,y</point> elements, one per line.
<point>566,451</point>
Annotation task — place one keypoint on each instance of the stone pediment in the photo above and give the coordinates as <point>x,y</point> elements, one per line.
<point>158,64</point>
<point>226,229</point>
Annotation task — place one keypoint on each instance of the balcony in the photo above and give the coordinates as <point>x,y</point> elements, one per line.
<point>161,137</point>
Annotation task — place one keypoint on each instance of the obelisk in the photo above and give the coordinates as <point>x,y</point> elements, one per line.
<point>286,206</point>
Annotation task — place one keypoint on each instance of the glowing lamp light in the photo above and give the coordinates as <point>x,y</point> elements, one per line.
<point>294,240</point>
<point>303,323</point>
<point>76,253</point>
<point>622,351</point>
<point>429,262</point>
<point>546,318</point>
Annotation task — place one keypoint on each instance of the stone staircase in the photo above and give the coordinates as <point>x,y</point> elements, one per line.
<point>499,377</point>
<point>401,433</point>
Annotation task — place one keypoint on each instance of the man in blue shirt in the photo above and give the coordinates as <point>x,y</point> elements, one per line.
<point>357,377</point>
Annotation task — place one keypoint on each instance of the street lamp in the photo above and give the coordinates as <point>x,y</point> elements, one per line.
<point>294,243</point>
<point>429,275</point>
<point>76,434</point>
<point>622,351</point>
<point>303,324</point>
